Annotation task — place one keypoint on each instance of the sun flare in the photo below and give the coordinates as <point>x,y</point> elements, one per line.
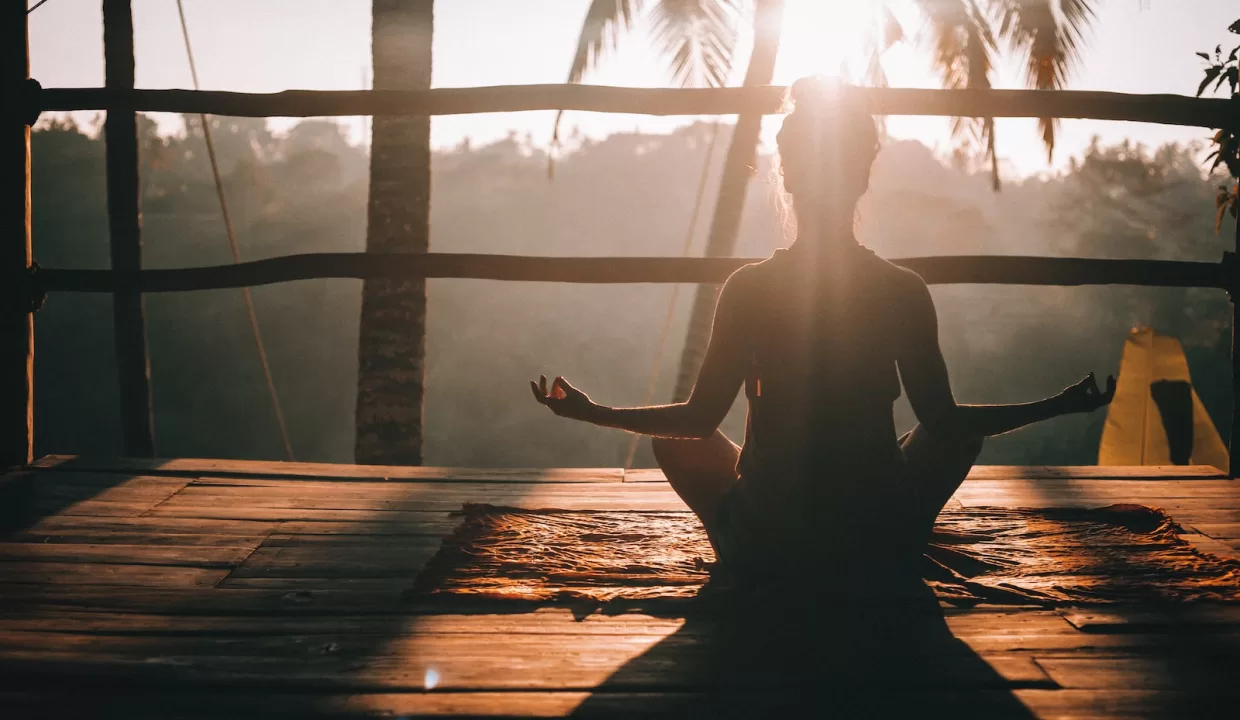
<point>845,38</point>
<point>831,37</point>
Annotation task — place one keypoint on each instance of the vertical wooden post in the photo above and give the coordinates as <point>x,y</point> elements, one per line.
<point>16,325</point>
<point>125,227</point>
<point>1233,446</point>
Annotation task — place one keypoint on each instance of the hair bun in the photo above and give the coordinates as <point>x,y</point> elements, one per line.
<point>827,104</point>
<point>817,91</point>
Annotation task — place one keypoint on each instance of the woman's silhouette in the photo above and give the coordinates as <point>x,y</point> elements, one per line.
<point>821,335</point>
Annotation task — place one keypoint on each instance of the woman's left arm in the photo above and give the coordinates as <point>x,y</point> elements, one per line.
<point>721,375</point>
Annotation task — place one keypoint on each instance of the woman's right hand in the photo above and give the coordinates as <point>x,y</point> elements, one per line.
<point>1085,395</point>
<point>562,398</point>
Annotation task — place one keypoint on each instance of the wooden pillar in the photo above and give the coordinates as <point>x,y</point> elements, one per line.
<point>1233,446</point>
<point>16,325</point>
<point>125,227</point>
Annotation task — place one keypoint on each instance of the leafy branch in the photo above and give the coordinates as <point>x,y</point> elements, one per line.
<point>1220,70</point>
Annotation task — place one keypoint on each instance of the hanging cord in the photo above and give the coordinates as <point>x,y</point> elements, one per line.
<point>657,368</point>
<point>236,252</point>
<point>36,6</point>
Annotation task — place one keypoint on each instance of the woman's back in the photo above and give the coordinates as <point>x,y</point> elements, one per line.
<point>823,343</point>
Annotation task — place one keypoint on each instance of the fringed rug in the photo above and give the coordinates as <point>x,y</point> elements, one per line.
<point>1114,554</point>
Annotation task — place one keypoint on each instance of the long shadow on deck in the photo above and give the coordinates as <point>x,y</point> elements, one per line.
<point>809,656</point>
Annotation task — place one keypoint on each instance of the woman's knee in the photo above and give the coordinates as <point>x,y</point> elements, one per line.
<point>712,455</point>
<point>941,444</point>
<point>667,451</point>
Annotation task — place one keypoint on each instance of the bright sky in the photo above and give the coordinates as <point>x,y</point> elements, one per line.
<point>1144,46</point>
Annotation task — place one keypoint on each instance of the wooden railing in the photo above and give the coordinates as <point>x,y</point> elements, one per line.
<point>942,270</point>
<point>1159,109</point>
<point>127,281</point>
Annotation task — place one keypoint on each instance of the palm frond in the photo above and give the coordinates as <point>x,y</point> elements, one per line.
<point>893,31</point>
<point>605,21</point>
<point>698,38</point>
<point>1050,34</point>
<point>962,49</point>
<point>889,33</point>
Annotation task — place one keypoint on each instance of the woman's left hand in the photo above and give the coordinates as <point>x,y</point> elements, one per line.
<point>1085,395</point>
<point>563,399</point>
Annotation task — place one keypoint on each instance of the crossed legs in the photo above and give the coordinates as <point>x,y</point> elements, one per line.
<point>702,471</point>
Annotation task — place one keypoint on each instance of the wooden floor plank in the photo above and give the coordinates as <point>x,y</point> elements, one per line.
<point>405,489</point>
<point>1219,531</point>
<point>345,561</point>
<point>1141,619</point>
<point>326,542</point>
<point>153,526</point>
<point>281,511</point>
<point>123,537</point>
<point>205,556</point>
<point>80,574</point>
<point>192,467</point>
<point>429,523</point>
<point>375,582</point>
<point>545,621</point>
<point>207,600</point>
<point>1134,704</point>
<point>1036,472</point>
<point>1167,672</point>
<point>464,661</point>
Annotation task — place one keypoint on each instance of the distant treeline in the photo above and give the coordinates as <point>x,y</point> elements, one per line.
<point>631,194</point>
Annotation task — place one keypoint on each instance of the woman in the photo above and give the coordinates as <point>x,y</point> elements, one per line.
<point>821,335</point>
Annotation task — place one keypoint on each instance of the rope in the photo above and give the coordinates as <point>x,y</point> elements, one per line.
<point>37,5</point>
<point>657,368</point>
<point>236,252</point>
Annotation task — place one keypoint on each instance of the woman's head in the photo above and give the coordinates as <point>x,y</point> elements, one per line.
<point>826,147</point>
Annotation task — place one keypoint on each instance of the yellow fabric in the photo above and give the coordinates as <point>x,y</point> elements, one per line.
<point>1134,433</point>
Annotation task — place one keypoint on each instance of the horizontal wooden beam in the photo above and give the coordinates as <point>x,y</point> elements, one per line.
<point>957,269</point>
<point>1161,109</point>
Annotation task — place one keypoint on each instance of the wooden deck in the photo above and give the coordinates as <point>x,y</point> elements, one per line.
<point>202,588</point>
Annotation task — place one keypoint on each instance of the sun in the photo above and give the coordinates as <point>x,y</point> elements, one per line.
<point>838,38</point>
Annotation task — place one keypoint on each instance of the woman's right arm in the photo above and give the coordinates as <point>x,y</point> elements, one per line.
<point>924,374</point>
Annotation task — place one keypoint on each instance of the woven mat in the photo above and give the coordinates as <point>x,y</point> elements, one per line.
<point>1120,553</point>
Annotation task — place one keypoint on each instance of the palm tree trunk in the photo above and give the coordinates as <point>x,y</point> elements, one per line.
<point>737,169</point>
<point>392,342</point>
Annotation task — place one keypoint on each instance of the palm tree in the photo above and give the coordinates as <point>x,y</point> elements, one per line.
<point>392,341</point>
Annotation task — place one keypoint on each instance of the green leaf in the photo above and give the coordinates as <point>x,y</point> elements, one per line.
<point>1229,76</point>
<point>1211,74</point>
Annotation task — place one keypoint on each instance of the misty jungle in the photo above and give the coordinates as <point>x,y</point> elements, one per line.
<point>305,190</point>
